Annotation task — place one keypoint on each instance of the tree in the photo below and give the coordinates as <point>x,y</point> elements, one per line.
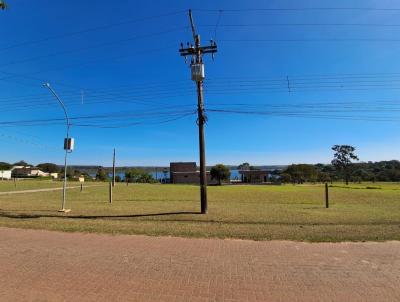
<point>76,173</point>
<point>344,154</point>
<point>286,178</point>
<point>244,166</point>
<point>132,175</point>
<point>220,173</point>
<point>70,173</point>
<point>138,175</point>
<point>48,167</point>
<point>101,174</point>
<point>301,173</point>
<point>5,166</point>
<point>323,177</point>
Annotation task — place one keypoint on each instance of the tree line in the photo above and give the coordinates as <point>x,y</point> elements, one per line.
<point>343,167</point>
<point>356,172</point>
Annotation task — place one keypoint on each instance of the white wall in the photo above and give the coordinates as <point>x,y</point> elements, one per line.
<point>5,174</point>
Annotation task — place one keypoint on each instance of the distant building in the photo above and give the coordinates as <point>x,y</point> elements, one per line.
<point>254,176</point>
<point>5,174</point>
<point>187,173</point>
<point>27,171</point>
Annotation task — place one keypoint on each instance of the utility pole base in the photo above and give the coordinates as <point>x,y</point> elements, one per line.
<point>65,210</point>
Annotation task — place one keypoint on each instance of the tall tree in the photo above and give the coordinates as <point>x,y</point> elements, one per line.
<point>220,173</point>
<point>342,159</point>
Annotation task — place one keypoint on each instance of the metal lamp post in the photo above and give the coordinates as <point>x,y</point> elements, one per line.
<point>68,146</point>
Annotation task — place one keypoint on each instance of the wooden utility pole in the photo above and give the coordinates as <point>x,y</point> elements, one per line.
<point>326,196</point>
<point>113,170</point>
<point>196,52</point>
<point>110,195</point>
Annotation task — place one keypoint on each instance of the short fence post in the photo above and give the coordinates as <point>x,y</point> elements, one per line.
<point>15,183</point>
<point>81,187</point>
<point>326,196</point>
<point>110,191</point>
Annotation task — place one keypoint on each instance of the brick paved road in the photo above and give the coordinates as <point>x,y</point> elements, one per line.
<point>52,266</point>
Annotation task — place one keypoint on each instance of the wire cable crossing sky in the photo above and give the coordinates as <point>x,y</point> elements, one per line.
<point>288,81</point>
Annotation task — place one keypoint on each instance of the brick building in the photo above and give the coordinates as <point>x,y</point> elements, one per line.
<point>186,173</point>
<point>254,176</point>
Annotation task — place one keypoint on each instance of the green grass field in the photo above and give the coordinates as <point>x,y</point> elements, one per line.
<point>28,185</point>
<point>284,212</point>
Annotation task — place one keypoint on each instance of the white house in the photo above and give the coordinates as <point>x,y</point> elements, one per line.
<point>5,174</point>
<point>28,171</point>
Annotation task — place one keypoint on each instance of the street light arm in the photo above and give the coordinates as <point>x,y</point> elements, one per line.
<point>61,103</point>
<point>65,147</point>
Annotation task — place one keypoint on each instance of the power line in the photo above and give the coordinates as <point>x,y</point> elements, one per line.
<point>303,114</point>
<point>75,90</point>
<point>219,81</point>
<point>152,91</point>
<point>112,43</point>
<point>152,50</point>
<point>148,99</point>
<point>328,75</point>
<point>312,40</point>
<point>328,110</point>
<point>223,91</point>
<point>97,118</point>
<point>25,141</point>
<point>225,82</point>
<point>102,27</point>
<point>304,24</point>
<point>167,120</point>
<point>272,9</point>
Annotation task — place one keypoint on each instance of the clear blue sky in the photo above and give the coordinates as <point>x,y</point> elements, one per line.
<point>127,67</point>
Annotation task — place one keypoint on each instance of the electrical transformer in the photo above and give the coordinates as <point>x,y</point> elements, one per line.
<point>69,144</point>
<point>197,72</point>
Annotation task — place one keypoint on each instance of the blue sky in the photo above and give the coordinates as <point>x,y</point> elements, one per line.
<point>123,62</point>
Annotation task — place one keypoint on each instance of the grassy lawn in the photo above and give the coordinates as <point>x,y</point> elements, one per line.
<point>27,184</point>
<point>248,212</point>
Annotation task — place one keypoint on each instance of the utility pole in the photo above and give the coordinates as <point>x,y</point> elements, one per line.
<point>196,52</point>
<point>113,170</point>
<point>326,196</point>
